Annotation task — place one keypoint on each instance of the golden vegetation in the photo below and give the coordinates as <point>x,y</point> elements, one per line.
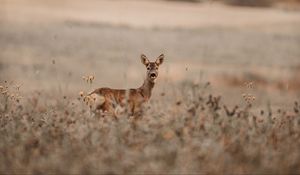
<point>187,134</point>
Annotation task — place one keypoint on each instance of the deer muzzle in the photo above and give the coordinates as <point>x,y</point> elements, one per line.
<point>153,75</point>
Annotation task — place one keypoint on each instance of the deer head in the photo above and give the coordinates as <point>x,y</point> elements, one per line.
<point>152,67</point>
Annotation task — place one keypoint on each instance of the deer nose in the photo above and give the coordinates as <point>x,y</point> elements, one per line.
<point>153,75</point>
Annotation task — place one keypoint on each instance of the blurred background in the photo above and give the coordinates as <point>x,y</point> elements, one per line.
<point>48,45</point>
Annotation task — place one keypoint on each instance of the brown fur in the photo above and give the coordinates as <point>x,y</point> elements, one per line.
<point>107,99</point>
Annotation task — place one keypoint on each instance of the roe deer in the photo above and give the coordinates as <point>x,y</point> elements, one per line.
<point>106,99</point>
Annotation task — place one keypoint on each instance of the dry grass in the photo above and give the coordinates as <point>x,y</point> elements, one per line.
<point>192,133</point>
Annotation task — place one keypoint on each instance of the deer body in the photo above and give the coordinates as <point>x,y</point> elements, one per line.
<point>106,99</point>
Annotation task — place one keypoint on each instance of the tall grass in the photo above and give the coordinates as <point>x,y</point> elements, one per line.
<point>194,132</point>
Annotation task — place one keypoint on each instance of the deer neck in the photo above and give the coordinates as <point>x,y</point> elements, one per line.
<point>146,88</point>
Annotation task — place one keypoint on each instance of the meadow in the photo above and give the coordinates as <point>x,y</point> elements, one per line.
<point>226,100</point>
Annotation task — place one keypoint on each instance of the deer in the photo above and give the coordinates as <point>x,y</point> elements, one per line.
<point>107,99</point>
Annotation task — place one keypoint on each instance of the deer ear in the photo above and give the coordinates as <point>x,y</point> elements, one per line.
<point>144,60</point>
<point>160,59</point>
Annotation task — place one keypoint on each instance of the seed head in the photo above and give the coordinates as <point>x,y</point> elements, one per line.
<point>81,93</point>
<point>244,95</point>
<point>90,79</point>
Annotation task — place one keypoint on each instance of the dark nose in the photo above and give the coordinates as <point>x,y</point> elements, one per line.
<point>152,75</point>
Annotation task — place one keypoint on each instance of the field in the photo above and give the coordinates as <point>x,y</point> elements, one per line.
<point>226,100</point>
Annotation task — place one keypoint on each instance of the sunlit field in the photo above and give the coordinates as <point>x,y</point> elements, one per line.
<point>226,100</point>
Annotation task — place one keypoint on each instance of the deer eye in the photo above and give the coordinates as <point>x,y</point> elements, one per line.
<point>148,68</point>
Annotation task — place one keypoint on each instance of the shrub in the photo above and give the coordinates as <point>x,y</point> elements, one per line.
<point>251,3</point>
